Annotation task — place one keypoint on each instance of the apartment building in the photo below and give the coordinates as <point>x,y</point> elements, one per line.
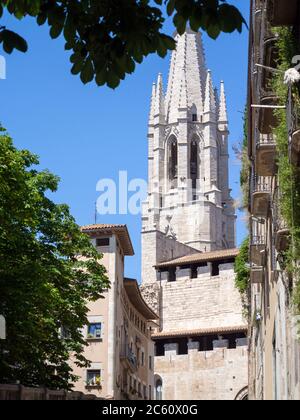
<point>119,330</point>
<point>274,360</point>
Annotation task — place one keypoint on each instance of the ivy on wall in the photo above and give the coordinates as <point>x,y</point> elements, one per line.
<point>242,270</point>
<point>288,174</point>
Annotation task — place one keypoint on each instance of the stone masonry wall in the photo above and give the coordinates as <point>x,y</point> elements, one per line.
<point>216,375</point>
<point>203,302</point>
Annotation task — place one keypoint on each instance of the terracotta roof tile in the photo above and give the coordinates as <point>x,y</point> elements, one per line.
<point>120,230</point>
<point>203,331</point>
<point>201,257</point>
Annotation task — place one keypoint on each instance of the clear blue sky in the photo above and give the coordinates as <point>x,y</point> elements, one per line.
<point>84,133</point>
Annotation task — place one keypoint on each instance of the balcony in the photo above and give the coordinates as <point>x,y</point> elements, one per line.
<point>282,12</point>
<point>267,119</point>
<point>128,357</point>
<point>258,249</point>
<point>265,155</point>
<point>261,194</point>
<point>256,275</point>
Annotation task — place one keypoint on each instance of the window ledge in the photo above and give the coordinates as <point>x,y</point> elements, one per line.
<point>91,339</point>
<point>93,387</point>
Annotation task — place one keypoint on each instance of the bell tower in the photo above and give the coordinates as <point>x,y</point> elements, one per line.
<point>188,191</point>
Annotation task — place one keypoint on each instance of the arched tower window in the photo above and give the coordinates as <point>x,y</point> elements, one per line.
<point>194,164</point>
<point>158,389</point>
<point>173,162</point>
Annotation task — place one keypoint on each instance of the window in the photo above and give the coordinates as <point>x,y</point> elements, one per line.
<point>143,358</point>
<point>194,164</point>
<point>94,331</point>
<point>215,271</point>
<point>93,378</point>
<point>172,275</point>
<point>173,160</point>
<point>150,362</point>
<point>150,392</point>
<point>158,390</point>
<point>195,117</point>
<point>145,391</point>
<point>102,242</point>
<point>139,389</point>
<point>194,272</point>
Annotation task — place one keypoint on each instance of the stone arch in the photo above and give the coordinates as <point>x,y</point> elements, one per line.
<point>158,387</point>
<point>242,395</point>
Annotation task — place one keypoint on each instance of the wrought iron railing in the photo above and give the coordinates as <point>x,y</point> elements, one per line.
<point>261,184</point>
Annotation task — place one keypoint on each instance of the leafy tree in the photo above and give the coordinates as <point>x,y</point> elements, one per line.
<point>108,37</point>
<point>44,286</point>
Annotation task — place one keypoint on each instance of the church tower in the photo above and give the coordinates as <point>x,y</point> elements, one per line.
<point>188,236</point>
<point>188,191</point>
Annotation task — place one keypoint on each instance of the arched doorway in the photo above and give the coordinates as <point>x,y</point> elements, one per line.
<point>242,395</point>
<point>158,388</point>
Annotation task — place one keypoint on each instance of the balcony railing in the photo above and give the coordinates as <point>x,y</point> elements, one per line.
<point>261,193</point>
<point>265,154</point>
<point>258,242</point>
<point>257,275</point>
<point>130,358</point>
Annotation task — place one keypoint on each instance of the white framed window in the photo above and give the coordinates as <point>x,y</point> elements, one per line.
<point>93,377</point>
<point>94,330</point>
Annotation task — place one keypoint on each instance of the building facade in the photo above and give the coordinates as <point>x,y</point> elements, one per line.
<point>188,236</point>
<point>119,331</point>
<point>274,361</point>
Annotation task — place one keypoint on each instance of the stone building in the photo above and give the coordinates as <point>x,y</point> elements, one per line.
<point>188,236</point>
<point>274,360</point>
<point>119,330</point>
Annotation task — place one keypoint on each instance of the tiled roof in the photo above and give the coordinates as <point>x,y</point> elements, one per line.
<point>105,229</point>
<point>201,257</point>
<point>101,226</point>
<point>134,294</point>
<point>203,331</point>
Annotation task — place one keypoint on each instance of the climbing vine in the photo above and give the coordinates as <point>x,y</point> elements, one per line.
<point>246,166</point>
<point>288,174</point>
<point>242,270</point>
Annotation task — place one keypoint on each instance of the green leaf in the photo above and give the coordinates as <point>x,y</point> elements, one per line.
<point>213,31</point>
<point>101,77</point>
<point>87,73</point>
<point>12,41</point>
<point>168,42</point>
<point>41,19</point>
<point>171,7</point>
<point>113,80</point>
<point>77,67</point>
<point>180,23</point>
<point>56,30</point>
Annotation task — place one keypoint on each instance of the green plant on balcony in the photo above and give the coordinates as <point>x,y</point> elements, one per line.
<point>288,174</point>
<point>242,271</point>
<point>241,152</point>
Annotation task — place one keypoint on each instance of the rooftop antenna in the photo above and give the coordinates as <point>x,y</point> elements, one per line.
<point>95,213</point>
